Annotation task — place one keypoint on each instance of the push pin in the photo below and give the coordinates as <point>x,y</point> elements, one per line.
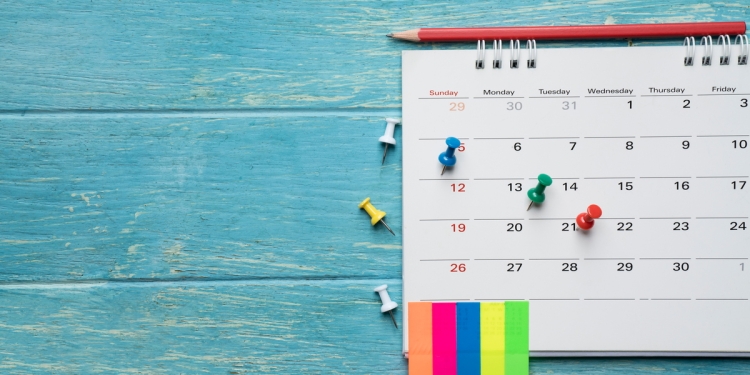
<point>585,220</point>
<point>448,158</point>
<point>374,213</point>
<point>536,194</point>
<point>387,137</point>
<point>388,305</point>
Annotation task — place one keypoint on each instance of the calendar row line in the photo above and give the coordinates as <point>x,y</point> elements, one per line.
<point>585,178</point>
<point>731,267</point>
<point>576,96</point>
<point>744,145</point>
<point>572,259</point>
<point>515,226</point>
<point>601,218</point>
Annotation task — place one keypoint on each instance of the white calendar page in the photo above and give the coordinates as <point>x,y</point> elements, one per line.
<point>664,153</point>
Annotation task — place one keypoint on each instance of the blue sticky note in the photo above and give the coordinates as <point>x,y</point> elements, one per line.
<point>467,338</point>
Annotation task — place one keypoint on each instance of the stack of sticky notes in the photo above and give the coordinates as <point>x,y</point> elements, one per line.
<point>478,338</point>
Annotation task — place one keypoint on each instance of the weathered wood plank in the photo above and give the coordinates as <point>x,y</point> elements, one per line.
<point>175,198</point>
<point>306,327</point>
<point>227,55</point>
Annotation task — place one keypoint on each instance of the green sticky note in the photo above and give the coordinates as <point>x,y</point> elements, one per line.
<point>516,338</point>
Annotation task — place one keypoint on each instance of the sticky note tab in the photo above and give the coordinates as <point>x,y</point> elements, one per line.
<point>444,338</point>
<point>492,338</point>
<point>516,338</point>
<point>467,338</point>
<point>420,338</point>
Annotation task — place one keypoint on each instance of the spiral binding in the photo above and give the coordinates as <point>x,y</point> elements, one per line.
<point>497,56</point>
<point>479,64</point>
<point>708,49</point>
<point>515,53</point>
<point>724,42</point>
<point>741,40</point>
<point>531,46</point>
<point>726,49</point>
<point>689,50</point>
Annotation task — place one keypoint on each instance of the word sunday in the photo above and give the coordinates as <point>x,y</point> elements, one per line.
<point>443,93</point>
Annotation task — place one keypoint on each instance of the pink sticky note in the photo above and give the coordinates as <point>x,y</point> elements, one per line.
<point>444,338</point>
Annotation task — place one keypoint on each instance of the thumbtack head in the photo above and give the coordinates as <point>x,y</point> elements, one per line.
<point>388,305</point>
<point>448,158</point>
<point>536,194</point>
<point>389,129</point>
<point>387,137</point>
<point>585,220</point>
<point>375,214</point>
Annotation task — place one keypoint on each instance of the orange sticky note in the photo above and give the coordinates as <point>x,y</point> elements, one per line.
<point>420,338</point>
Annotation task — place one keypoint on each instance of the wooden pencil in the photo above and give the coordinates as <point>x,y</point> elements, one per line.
<point>664,30</point>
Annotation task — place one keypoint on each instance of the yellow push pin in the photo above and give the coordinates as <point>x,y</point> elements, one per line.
<point>374,213</point>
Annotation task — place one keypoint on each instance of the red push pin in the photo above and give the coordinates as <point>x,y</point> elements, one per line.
<point>585,220</point>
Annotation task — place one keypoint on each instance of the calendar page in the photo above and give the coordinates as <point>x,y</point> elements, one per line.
<point>660,147</point>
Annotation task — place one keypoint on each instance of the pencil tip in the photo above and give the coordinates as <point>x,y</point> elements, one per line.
<point>390,35</point>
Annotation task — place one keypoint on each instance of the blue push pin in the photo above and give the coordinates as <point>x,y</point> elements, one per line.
<point>447,158</point>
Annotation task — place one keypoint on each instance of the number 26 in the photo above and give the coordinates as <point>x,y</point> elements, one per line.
<point>458,267</point>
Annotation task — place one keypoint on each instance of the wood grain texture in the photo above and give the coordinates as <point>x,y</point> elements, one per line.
<point>237,327</point>
<point>192,328</point>
<point>179,180</point>
<point>186,198</point>
<point>247,54</point>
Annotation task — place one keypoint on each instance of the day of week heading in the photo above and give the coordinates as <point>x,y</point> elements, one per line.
<point>665,91</point>
<point>554,92</point>
<point>723,89</point>
<point>494,92</point>
<point>610,91</point>
<point>443,93</point>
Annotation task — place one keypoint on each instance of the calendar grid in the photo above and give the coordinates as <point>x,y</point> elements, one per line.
<point>667,161</point>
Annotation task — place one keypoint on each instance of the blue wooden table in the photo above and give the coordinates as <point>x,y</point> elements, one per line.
<point>179,181</point>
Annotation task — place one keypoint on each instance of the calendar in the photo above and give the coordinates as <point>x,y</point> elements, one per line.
<point>659,145</point>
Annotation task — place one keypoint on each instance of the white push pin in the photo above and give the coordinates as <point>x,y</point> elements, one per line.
<point>388,305</point>
<point>387,137</point>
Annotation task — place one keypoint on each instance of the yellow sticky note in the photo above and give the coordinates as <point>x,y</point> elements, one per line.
<point>492,337</point>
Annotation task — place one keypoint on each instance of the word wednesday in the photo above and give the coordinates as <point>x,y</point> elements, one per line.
<point>610,91</point>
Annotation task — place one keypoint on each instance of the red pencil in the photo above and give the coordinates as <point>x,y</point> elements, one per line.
<point>664,30</point>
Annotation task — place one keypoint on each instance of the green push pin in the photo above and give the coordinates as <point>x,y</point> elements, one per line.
<point>536,194</point>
